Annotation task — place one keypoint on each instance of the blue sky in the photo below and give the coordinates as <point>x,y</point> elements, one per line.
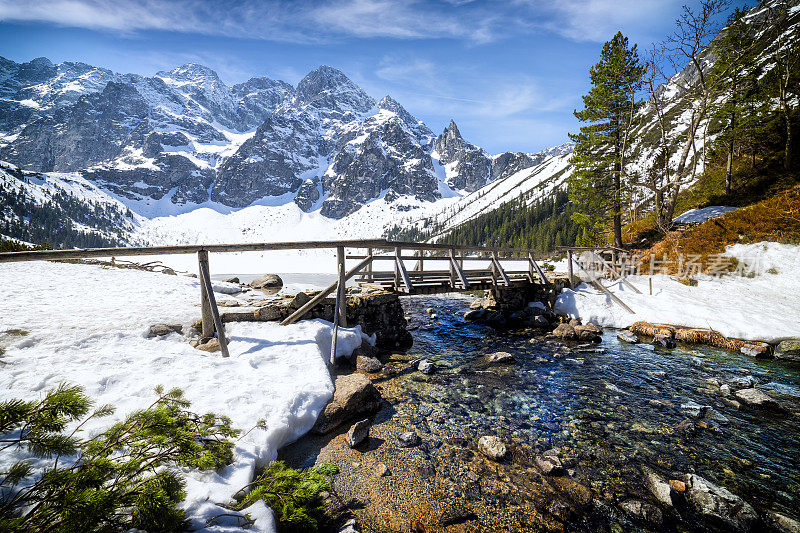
<point>508,72</point>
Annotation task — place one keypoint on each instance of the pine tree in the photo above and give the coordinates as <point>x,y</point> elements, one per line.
<point>598,160</point>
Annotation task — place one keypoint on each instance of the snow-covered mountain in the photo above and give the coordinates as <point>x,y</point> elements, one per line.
<point>182,139</point>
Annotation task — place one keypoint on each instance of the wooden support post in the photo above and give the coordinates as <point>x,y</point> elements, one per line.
<point>452,253</point>
<point>400,267</point>
<point>498,269</point>
<point>342,299</point>
<point>532,264</point>
<point>397,269</point>
<point>369,266</point>
<point>456,269</point>
<point>569,269</point>
<point>420,266</point>
<point>205,281</point>
<point>207,330</point>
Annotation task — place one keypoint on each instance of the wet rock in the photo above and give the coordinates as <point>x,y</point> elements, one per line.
<point>159,330</point>
<point>565,332</point>
<point>659,488</point>
<point>588,332</point>
<point>426,366</point>
<point>358,433</point>
<point>550,465</point>
<point>628,336</point>
<point>232,280</point>
<point>475,314</point>
<point>267,281</point>
<point>646,512</point>
<point>743,382</point>
<point>725,389</point>
<point>560,509</point>
<point>663,341</point>
<point>355,395</point>
<point>300,299</point>
<point>408,439</point>
<point>782,523</point>
<point>719,503</point>
<point>694,409</point>
<point>756,349</point>
<point>574,322</point>
<point>500,358</point>
<point>788,349</point>
<point>492,447</point>
<point>368,364</point>
<point>430,310</point>
<point>477,304</point>
<point>756,398</point>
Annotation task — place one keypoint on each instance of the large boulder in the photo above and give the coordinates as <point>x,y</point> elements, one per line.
<point>267,281</point>
<point>719,504</point>
<point>789,349</point>
<point>355,396</point>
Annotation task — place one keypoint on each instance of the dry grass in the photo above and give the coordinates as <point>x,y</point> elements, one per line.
<point>776,218</point>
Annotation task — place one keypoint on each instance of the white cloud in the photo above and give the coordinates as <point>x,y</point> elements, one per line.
<point>599,20</point>
<point>280,20</point>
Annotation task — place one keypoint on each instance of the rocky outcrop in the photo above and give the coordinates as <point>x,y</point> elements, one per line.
<point>467,167</point>
<point>354,396</point>
<point>788,349</point>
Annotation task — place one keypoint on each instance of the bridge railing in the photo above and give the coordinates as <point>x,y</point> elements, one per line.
<point>394,251</point>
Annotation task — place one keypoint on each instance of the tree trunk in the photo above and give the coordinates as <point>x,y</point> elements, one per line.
<point>617,203</point>
<point>728,168</point>
<point>787,159</point>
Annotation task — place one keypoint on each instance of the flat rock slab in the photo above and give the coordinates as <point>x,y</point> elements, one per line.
<point>756,398</point>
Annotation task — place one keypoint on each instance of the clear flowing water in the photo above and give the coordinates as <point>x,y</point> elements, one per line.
<point>615,412</point>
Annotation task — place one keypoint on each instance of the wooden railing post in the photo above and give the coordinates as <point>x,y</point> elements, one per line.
<point>452,253</point>
<point>369,267</point>
<point>569,269</point>
<point>419,266</point>
<point>494,270</point>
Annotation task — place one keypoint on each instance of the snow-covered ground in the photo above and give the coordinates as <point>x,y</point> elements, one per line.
<point>764,307</point>
<point>702,214</point>
<point>88,326</point>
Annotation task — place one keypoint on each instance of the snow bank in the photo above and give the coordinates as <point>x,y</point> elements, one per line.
<point>764,307</point>
<point>701,215</point>
<point>88,326</point>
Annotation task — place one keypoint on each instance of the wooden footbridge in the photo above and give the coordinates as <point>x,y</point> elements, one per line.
<point>437,268</point>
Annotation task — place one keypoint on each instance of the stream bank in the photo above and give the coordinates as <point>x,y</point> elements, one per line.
<point>607,437</point>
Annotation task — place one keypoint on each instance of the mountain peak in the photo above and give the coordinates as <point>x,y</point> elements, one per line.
<point>452,130</point>
<point>330,85</point>
<point>191,72</point>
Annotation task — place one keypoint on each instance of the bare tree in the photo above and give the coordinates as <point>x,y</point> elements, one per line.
<point>694,31</point>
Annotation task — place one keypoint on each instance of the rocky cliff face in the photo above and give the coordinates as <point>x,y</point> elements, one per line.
<point>184,137</point>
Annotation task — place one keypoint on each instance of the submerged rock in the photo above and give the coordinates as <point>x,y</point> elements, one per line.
<point>492,447</point>
<point>646,512</point>
<point>756,349</point>
<point>500,358</point>
<point>426,366</point>
<point>408,439</point>
<point>550,465</point>
<point>355,395</point>
<point>627,336</point>
<point>719,503</point>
